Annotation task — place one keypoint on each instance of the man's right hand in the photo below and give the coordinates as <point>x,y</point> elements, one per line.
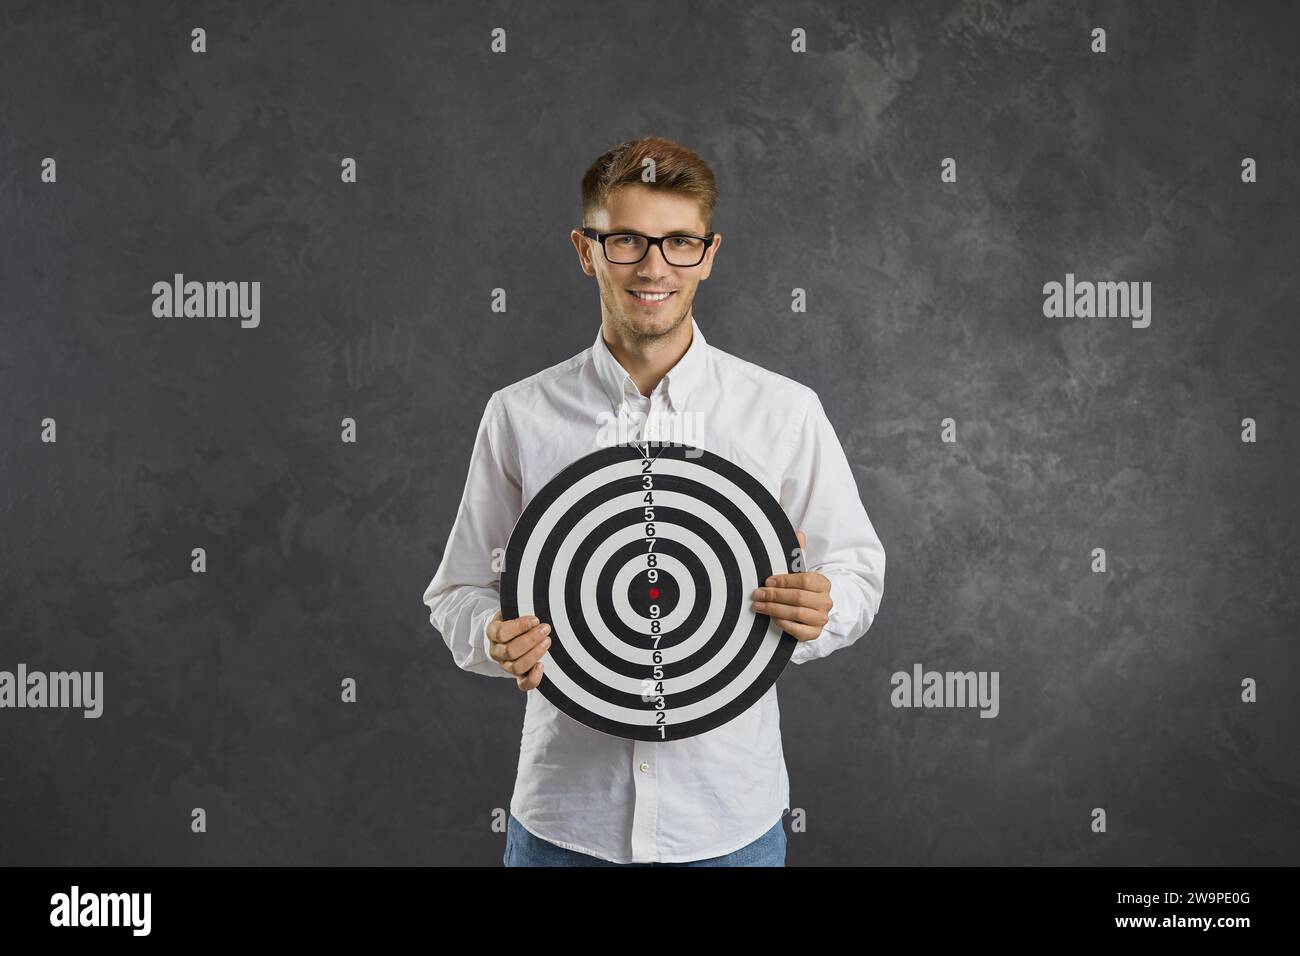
<point>518,645</point>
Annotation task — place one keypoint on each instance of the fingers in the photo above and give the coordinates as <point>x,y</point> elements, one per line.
<point>785,614</point>
<point>793,600</point>
<point>531,647</point>
<point>530,680</point>
<point>518,647</point>
<point>524,651</point>
<point>800,632</point>
<point>800,603</point>
<point>526,642</point>
<point>802,580</point>
<point>789,612</point>
<point>801,622</point>
<point>796,596</point>
<point>505,631</point>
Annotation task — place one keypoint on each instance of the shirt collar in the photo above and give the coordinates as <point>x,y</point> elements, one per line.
<point>678,380</point>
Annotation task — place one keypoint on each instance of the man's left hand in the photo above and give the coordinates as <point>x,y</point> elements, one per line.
<point>800,603</point>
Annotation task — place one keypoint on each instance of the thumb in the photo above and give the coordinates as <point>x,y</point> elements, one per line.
<point>803,539</point>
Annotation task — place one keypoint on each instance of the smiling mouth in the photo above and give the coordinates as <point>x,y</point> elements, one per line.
<point>651,299</point>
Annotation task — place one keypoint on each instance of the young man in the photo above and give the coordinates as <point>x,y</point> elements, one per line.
<point>583,797</point>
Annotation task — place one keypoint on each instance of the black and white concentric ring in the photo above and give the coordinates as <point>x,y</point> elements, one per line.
<point>643,559</point>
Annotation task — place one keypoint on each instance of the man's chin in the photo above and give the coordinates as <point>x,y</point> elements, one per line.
<point>653,325</point>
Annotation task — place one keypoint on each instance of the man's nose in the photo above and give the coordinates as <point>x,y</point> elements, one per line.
<point>654,263</point>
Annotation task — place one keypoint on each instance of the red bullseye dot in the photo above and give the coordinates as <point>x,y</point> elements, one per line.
<point>654,592</point>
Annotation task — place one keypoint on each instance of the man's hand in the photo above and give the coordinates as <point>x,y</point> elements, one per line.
<point>800,603</point>
<point>518,645</point>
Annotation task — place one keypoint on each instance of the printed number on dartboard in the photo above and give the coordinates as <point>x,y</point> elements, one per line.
<point>653,688</point>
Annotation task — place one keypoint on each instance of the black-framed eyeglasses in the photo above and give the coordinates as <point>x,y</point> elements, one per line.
<point>626,248</point>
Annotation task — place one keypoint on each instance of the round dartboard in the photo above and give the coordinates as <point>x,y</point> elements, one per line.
<point>644,558</point>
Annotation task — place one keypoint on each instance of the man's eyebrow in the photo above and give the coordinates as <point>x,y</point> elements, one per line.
<point>675,232</point>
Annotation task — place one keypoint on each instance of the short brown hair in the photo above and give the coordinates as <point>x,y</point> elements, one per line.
<point>677,169</point>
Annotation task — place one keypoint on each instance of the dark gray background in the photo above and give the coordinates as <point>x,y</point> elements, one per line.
<point>222,690</point>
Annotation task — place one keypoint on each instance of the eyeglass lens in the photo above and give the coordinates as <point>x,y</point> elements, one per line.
<point>678,250</point>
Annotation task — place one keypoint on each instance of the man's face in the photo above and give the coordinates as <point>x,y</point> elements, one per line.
<point>639,209</point>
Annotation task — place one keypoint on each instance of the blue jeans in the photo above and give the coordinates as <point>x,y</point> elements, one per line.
<point>524,849</point>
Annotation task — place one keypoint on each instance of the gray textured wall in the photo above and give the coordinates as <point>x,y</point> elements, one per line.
<point>1118,690</point>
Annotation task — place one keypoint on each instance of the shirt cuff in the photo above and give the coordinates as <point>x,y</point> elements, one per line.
<point>487,641</point>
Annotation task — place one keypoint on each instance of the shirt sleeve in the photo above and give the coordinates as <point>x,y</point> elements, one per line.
<point>465,593</point>
<point>820,496</point>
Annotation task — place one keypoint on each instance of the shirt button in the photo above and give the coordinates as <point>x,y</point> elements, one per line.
<point>645,767</point>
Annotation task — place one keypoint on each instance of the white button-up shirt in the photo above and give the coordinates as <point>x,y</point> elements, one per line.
<point>644,801</point>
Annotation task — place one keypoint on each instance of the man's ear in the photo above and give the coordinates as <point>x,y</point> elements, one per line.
<point>708,256</point>
<point>583,246</point>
